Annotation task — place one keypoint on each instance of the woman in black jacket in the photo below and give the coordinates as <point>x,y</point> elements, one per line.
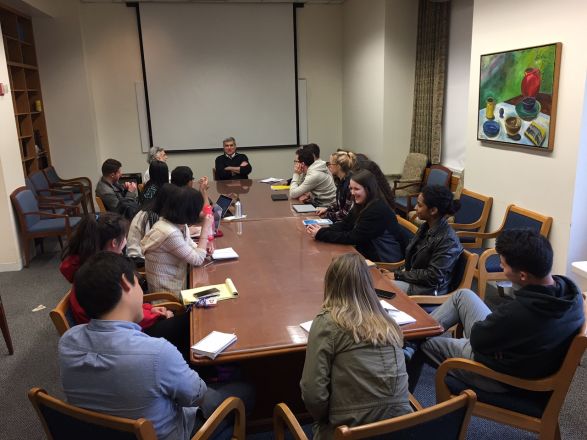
<point>371,224</point>
<point>433,252</point>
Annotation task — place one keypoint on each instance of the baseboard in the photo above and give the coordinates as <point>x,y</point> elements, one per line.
<point>11,267</point>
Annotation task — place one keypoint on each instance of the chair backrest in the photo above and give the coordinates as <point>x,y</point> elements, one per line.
<point>39,181</point>
<point>25,201</point>
<point>463,272</point>
<point>408,229</point>
<point>100,204</point>
<point>475,208</point>
<point>438,175</point>
<point>51,175</point>
<point>62,315</point>
<point>516,217</point>
<point>64,421</point>
<point>414,166</point>
<point>452,420</point>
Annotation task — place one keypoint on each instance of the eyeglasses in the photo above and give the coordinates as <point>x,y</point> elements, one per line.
<point>297,161</point>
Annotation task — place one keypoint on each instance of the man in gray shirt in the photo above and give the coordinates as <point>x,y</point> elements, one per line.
<point>110,366</point>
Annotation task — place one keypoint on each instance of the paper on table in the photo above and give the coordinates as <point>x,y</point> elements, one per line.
<point>213,344</point>
<point>398,316</point>
<point>279,187</point>
<point>317,221</point>
<point>304,208</point>
<point>271,180</point>
<point>224,254</point>
<point>306,325</point>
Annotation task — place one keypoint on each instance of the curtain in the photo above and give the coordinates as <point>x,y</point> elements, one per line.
<point>431,58</point>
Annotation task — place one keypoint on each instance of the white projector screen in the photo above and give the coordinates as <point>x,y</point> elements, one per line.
<point>219,70</point>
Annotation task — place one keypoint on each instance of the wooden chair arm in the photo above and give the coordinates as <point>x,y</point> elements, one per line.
<point>48,214</point>
<point>429,299</point>
<point>283,416</point>
<point>459,226</point>
<point>82,180</point>
<point>59,191</point>
<point>175,307</point>
<point>545,384</point>
<point>160,296</point>
<point>485,256</point>
<point>54,206</point>
<point>483,235</point>
<point>416,406</point>
<point>390,266</point>
<point>229,405</point>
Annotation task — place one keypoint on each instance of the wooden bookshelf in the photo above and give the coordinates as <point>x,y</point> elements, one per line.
<point>25,86</point>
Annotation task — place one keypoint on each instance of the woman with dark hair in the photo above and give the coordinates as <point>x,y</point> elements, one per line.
<point>355,371</point>
<point>108,233</point>
<point>382,182</point>
<point>433,252</point>
<point>159,175</point>
<point>144,221</point>
<point>371,225</point>
<point>168,246</point>
<point>340,165</point>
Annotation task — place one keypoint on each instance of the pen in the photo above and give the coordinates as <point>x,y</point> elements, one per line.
<point>208,264</point>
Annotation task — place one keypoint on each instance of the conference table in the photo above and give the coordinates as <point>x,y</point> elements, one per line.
<point>279,276</point>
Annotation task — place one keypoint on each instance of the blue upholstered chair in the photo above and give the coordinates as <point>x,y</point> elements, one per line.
<point>408,230</point>
<point>488,268</point>
<point>63,318</point>
<point>451,418</point>
<point>435,175</point>
<point>77,185</point>
<point>532,404</point>
<point>472,216</point>
<point>61,420</point>
<point>42,188</point>
<point>462,278</point>
<point>37,224</point>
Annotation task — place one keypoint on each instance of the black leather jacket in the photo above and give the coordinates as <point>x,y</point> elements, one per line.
<point>431,257</point>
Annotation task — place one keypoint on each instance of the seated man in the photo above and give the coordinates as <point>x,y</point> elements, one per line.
<point>526,337</point>
<point>232,165</point>
<point>116,197</point>
<point>110,366</point>
<point>311,180</point>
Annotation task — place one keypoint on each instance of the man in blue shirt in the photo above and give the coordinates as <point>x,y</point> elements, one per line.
<point>110,366</point>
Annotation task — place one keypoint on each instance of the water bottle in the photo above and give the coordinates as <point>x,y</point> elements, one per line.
<point>239,209</point>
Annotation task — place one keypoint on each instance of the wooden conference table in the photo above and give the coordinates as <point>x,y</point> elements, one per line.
<point>280,277</point>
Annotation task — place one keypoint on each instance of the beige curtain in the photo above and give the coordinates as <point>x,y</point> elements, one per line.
<point>431,56</point>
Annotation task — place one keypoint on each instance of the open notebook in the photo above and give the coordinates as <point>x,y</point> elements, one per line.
<point>227,290</point>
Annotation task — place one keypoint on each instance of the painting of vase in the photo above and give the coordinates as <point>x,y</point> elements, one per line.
<point>518,96</point>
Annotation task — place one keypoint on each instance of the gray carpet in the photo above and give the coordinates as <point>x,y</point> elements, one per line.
<point>34,361</point>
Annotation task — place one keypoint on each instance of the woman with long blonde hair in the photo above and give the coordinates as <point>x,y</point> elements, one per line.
<point>354,372</point>
<point>340,165</point>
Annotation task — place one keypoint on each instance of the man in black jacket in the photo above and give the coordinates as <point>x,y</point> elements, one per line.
<point>232,165</point>
<point>527,337</point>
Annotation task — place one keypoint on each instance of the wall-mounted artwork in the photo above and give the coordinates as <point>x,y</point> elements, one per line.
<point>517,96</point>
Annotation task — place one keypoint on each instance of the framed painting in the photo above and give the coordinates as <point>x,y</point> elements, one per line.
<point>518,96</point>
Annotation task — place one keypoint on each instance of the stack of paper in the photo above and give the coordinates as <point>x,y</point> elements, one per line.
<point>213,344</point>
<point>226,291</point>
<point>270,180</point>
<point>398,316</point>
<point>224,254</point>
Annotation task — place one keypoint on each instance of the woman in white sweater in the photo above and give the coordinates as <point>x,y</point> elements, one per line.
<point>167,247</point>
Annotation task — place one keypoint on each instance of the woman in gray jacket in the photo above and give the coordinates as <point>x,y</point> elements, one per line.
<point>354,371</point>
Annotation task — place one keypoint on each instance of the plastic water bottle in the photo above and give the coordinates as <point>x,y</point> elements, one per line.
<point>239,209</point>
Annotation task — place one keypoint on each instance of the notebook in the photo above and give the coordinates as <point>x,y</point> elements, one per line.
<point>398,316</point>
<point>279,196</point>
<point>227,290</point>
<point>304,208</point>
<point>213,344</point>
<point>224,254</point>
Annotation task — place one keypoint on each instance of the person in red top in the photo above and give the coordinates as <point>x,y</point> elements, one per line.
<point>108,233</point>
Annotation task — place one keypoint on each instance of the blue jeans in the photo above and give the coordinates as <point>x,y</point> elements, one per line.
<point>466,308</point>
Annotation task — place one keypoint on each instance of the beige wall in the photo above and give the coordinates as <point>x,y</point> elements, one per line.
<point>378,79</point>
<point>540,182</point>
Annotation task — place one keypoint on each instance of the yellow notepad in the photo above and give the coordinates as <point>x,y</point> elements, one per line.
<point>227,290</point>
<point>278,187</point>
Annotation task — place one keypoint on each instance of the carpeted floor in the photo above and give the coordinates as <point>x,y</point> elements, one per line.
<point>34,361</point>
